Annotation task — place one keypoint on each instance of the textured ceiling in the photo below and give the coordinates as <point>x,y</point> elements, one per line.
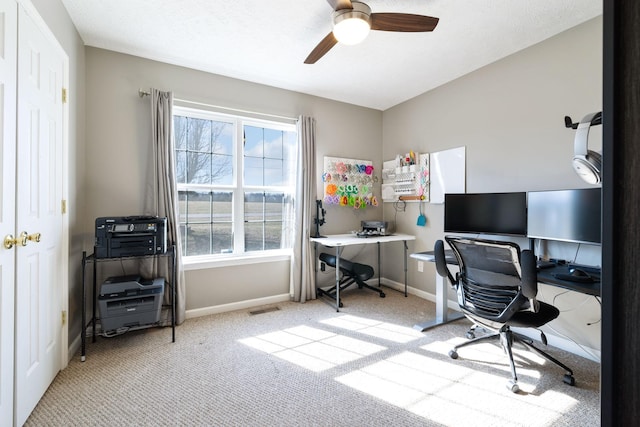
<point>266,41</point>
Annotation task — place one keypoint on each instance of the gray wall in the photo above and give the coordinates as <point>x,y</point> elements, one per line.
<point>118,138</point>
<point>509,116</point>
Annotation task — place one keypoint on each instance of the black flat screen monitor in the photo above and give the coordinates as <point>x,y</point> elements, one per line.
<point>565,215</point>
<point>486,213</point>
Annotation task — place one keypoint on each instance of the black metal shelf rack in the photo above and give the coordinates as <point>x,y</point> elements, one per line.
<point>171,253</point>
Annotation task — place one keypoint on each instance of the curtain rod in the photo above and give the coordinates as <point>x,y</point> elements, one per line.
<point>143,93</point>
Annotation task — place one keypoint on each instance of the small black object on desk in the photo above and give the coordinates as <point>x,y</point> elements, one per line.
<point>319,219</point>
<point>582,279</point>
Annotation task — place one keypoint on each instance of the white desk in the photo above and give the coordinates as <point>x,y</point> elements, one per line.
<point>339,241</point>
<point>442,300</point>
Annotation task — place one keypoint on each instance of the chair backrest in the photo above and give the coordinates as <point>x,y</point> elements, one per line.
<point>493,284</point>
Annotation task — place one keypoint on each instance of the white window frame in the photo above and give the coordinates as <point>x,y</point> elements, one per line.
<point>239,256</point>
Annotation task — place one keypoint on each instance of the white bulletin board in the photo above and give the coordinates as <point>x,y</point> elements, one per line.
<point>447,173</point>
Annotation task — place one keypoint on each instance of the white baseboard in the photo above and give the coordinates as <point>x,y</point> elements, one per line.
<point>74,346</point>
<point>240,305</point>
<point>413,291</point>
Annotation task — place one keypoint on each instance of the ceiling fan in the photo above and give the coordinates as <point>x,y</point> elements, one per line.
<point>353,19</point>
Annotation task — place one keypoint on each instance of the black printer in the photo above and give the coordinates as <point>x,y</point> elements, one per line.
<point>130,236</point>
<point>129,301</point>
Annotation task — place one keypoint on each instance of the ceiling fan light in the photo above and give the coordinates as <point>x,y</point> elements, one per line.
<point>351,31</point>
<point>351,26</point>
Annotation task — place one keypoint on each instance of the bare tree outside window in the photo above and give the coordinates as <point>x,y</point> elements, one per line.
<point>204,151</point>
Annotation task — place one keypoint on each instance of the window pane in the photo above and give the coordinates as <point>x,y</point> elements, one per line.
<point>253,170</point>
<point>274,172</point>
<point>263,221</point>
<point>204,150</point>
<point>182,207</point>
<point>206,221</point>
<point>274,206</point>
<point>198,207</point>
<point>198,241</point>
<point>198,168</point>
<point>199,135</point>
<point>222,239</point>
<point>253,141</point>
<point>181,166</point>
<point>183,238</point>
<point>222,169</point>
<point>253,237</point>
<point>273,143</point>
<point>180,132</point>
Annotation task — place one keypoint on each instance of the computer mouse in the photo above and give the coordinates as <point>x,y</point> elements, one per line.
<point>576,272</point>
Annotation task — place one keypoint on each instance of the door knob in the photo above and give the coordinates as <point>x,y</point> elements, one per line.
<point>35,237</point>
<point>10,241</point>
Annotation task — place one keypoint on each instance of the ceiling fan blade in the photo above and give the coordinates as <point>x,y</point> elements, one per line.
<point>405,22</point>
<point>340,4</point>
<point>323,47</point>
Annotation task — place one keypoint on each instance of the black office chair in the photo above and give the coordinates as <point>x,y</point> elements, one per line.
<point>351,272</point>
<point>497,287</point>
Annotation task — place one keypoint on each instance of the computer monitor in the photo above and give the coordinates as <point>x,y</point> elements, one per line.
<point>486,213</point>
<point>565,215</point>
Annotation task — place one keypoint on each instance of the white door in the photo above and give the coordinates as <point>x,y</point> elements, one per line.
<point>8,43</point>
<point>39,196</point>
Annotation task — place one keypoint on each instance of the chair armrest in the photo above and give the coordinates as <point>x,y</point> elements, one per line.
<point>441,261</point>
<point>529,274</point>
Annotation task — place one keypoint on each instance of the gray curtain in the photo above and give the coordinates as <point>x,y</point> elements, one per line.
<point>303,281</point>
<point>161,199</point>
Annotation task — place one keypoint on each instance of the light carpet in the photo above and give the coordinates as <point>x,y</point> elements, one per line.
<point>307,365</point>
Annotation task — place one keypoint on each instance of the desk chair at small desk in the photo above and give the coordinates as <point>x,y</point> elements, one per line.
<point>352,273</point>
<point>497,287</point>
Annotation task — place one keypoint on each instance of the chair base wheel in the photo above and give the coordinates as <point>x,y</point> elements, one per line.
<point>382,295</point>
<point>453,354</point>
<point>569,379</point>
<point>340,304</point>
<point>470,335</point>
<point>513,386</point>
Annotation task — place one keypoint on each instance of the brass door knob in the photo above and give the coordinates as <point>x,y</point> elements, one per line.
<point>35,237</point>
<point>10,241</point>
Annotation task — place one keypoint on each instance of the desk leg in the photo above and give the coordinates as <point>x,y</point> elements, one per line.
<point>442,309</point>
<point>174,285</point>
<point>404,242</point>
<point>379,268</point>
<point>338,252</point>
<point>83,331</point>
<point>93,302</point>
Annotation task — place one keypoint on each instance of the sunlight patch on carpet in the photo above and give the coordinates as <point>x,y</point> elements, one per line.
<point>375,328</point>
<point>451,394</point>
<point>312,348</point>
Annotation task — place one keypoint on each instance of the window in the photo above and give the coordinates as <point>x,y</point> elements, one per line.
<point>236,181</point>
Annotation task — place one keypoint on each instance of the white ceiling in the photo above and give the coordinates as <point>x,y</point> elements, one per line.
<point>266,41</point>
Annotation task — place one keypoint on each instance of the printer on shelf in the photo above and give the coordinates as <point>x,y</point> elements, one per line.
<point>129,301</point>
<point>130,236</point>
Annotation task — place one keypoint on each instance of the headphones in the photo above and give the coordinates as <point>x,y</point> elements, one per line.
<point>587,163</point>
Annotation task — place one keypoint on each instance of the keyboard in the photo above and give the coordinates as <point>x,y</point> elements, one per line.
<point>545,264</point>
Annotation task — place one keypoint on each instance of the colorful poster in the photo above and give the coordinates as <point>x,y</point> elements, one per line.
<point>348,182</point>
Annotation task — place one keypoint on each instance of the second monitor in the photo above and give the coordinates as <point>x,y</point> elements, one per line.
<point>565,215</point>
